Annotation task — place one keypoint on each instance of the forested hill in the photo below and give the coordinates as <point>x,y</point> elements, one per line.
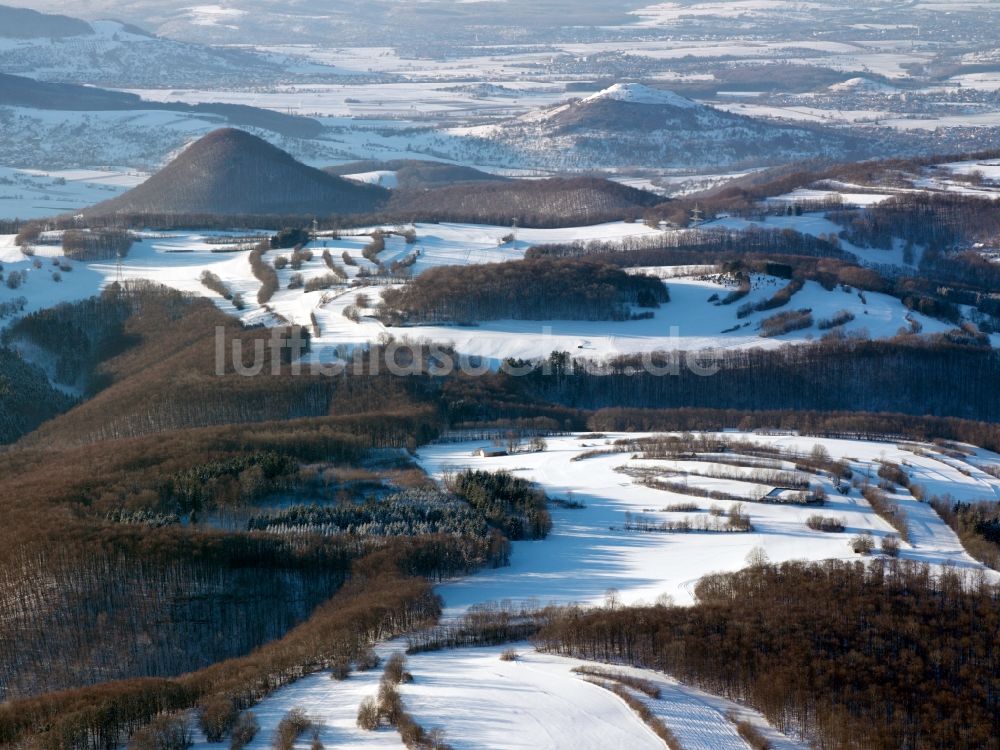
<point>230,172</point>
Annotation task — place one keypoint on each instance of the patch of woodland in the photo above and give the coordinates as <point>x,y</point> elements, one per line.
<point>414,512</point>
<point>977,525</point>
<point>100,244</point>
<point>942,377</point>
<point>125,530</point>
<point>417,173</point>
<point>78,336</point>
<point>27,399</point>
<point>512,504</point>
<point>944,281</point>
<point>540,289</point>
<point>151,366</point>
<point>883,655</point>
<point>943,221</point>
<point>379,602</point>
<point>534,203</point>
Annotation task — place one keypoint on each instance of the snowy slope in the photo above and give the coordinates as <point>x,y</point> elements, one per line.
<point>583,557</point>
<point>690,321</point>
<point>481,701</point>
<point>544,704</point>
<point>635,126</point>
<point>332,705</point>
<point>119,55</point>
<point>635,93</point>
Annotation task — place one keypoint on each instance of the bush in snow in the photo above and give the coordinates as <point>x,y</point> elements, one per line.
<point>862,544</point>
<point>395,668</point>
<point>825,523</point>
<point>368,714</point>
<point>216,715</point>
<point>290,728</point>
<point>244,731</point>
<point>366,660</point>
<point>890,546</point>
<point>163,733</point>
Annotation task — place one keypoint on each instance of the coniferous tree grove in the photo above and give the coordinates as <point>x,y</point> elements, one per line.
<point>508,502</point>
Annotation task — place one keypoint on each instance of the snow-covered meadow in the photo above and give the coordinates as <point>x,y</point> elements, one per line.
<point>692,320</point>
<point>480,700</point>
<point>35,193</point>
<point>589,552</point>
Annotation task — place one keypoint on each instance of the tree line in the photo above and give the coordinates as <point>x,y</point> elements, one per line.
<point>379,602</point>
<point>911,376</point>
<point>880,656</point>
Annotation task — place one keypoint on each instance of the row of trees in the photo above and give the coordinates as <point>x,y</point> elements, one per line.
<point>886,427</point>
<point>693,246</point>
<point>213,282</point>
<point>387,708</point>
<point>264,273</point>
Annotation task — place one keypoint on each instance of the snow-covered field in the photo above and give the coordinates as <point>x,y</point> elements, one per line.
<point>481,701</point>
<point>690,321</point>
<point>584,556</point>
<point>412,99</point>
<point>35,193</point>
<point>544,704</point>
